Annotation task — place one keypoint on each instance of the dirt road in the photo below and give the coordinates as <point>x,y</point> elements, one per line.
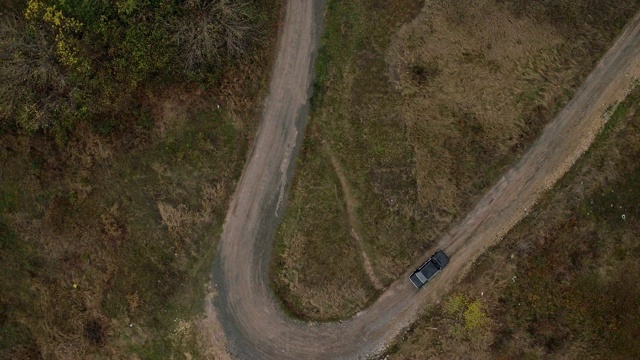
<point>255,326</point>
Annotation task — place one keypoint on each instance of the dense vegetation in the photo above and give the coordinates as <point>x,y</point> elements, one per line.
<point>67,61</point>
<point>124,126</point>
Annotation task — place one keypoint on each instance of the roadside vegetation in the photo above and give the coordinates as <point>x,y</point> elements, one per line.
<point>423,110</point>
<point>564,282</point>
<point>123,129</point>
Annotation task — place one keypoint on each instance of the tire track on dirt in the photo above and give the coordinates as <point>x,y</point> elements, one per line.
<point>352,217</point>
<point>253,322</point>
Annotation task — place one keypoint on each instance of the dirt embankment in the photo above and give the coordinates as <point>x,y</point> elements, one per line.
<point>254,324</point>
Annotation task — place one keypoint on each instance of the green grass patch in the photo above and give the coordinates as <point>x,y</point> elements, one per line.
<point>307,280</point>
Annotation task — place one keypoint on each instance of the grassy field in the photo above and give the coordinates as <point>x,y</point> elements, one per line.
<point>317,268</point>
<point>564,282</point>
<point>423,114</point>
<point>106,252</point>
<point>107,240</point>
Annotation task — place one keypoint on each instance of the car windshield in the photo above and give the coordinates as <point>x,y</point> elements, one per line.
<point>421,277</point>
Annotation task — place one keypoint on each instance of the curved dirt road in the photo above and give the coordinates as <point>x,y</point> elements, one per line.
<point>253,323</point>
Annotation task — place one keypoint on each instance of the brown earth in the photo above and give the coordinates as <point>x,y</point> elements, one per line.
<point>255,325</point>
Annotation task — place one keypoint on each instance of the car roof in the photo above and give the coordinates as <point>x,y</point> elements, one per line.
<point>429,269</point>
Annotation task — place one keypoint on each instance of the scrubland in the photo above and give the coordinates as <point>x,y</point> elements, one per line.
<point>123,129</point>
<point>422,110</point>
<point>563,283</point>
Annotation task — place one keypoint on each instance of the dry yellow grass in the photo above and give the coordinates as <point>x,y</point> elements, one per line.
<point>477,84</point>
<point>562,283</point>
<point>422,121</point>
<point>467,111</point>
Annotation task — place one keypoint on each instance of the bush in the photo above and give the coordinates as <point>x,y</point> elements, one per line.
<point>218,29</point>
<point>34,87</point>
<point>468,319</point>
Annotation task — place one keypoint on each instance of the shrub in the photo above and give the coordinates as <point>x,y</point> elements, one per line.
<point>218,29</point>
<point>468,318</point>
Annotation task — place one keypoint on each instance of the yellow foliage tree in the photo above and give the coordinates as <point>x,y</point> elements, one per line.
<point>64,28</point>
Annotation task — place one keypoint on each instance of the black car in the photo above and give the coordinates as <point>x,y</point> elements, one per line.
<point>429,269</point>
